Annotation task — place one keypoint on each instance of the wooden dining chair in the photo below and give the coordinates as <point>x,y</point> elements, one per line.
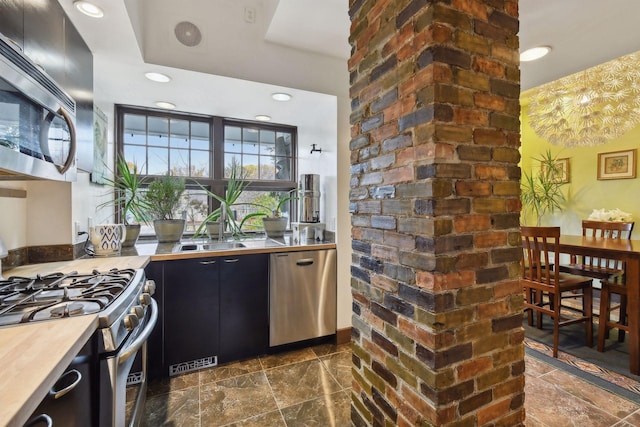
<point>543,286</point>
<point>599,267</point>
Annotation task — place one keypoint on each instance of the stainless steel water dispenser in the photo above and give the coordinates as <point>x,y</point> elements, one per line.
<point>309,197</point>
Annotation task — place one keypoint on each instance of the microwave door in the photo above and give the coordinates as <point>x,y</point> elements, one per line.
<point>58,140</point>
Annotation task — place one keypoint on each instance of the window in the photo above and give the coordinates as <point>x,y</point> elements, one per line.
<point>203,149</point>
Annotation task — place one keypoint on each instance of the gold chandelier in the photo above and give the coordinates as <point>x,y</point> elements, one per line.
<point>590,107</point>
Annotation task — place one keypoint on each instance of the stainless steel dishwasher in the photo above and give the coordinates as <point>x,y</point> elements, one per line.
<point>302,296</point>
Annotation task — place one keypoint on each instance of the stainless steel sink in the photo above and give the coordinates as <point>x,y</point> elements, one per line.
<point>214,246</point>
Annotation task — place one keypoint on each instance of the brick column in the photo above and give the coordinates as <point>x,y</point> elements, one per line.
<point>437,309</point>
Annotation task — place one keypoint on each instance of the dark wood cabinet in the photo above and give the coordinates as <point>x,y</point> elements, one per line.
<point>244,306</point>
<point>191,311</point>
<point>208,307</point>
<point>44,37</point>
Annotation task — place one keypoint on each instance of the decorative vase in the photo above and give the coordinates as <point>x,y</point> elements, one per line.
<point>133,232</point>
<point>275,226</point>
<point>168,230</point>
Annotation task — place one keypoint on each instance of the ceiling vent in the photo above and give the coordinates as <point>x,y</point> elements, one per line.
<point>188,34</point>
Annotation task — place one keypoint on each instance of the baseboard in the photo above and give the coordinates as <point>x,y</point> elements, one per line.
<point>343,336</point>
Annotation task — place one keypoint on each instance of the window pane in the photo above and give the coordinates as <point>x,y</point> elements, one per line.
<point>179,162</point>
<point>267,167</point>
<point>138,156</point>
<point>250,135</point>
<point>250,147</point>
<point>229,161</point>
<point>195,208</point>
<point>250,166</point>
<point>283,168</point>
<point>200,164</point>
<point>283,144</point>
<point>179,134</point>
<point>135,129</point>
<point>200,136</point>
<point>232,139</point>
<point>158,133</point>
<point>158,161</point>
<point>267,142</point>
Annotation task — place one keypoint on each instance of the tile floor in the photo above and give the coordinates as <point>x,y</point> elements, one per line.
<point>311,387</point>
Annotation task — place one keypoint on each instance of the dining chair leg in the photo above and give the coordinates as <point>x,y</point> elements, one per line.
<point>556,323</point>
<point>622,317</point>
<point>604,318</point>
<point>587,311</point>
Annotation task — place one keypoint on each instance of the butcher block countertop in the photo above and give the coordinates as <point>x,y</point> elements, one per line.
<point>34,355</point>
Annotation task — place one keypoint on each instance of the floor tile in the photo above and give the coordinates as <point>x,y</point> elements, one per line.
<point>339,365</point>
<point>296,383</point>
<point>555,407</point>
<point>235,399</point>
<point>178,382</point>
<point>537,368</point>
<point>178,408</point>
<point>332,410</point>
<point>230,370</point>
<point>330,348</point>
<point>270,419</point>
<point>275,360</point>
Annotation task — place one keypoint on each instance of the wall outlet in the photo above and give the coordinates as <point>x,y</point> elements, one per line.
<point>89,223</point>
<point>249,15</point>
<point>76,228</point>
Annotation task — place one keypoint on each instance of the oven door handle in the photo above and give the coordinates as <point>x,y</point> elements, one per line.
<point>135,345</point>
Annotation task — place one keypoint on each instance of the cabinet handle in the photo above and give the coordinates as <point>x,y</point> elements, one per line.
<point>42,418</point>
<point>304,261</point>
<point>207,262</point>
<point>67,382</point>
<point>232,260</point>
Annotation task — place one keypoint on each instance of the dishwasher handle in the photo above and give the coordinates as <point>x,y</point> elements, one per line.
<point>304,262</point>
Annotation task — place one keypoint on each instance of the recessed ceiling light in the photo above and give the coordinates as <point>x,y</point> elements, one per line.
<point>89,8</point>
<point>534,53</point>
<point>281,96</point>
<point>263,117</point>
<point>167,105</point>
<point>157,77</point>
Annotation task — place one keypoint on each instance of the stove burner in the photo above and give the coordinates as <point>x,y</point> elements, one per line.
<point>66,310</point>
<point>26,299</point>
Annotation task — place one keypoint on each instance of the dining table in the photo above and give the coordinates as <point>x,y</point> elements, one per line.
<point>627,251</point>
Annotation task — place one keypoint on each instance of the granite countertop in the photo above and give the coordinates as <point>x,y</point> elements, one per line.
<point>34,355</point>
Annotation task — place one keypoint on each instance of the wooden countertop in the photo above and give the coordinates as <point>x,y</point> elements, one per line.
<point>34,355</point>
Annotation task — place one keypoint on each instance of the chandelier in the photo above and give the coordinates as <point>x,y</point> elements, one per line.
<point>590,107</point>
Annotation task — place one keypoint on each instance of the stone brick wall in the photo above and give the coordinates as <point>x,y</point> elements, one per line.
<point>437,307</point>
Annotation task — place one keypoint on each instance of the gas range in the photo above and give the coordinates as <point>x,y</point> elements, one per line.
<point>122,301</point>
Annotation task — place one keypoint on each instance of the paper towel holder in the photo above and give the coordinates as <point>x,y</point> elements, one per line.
<point>314,149</point>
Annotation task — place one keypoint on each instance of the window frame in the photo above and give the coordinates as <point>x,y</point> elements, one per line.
<point>215,183</point>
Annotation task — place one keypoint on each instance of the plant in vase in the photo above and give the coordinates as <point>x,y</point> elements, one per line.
<point>276,224</point>
<point>163,199</point>
<point>542,193</point>
<point>236,184</point>
<point>128,194</point>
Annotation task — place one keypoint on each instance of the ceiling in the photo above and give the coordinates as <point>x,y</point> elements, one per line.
<point>251,48</point>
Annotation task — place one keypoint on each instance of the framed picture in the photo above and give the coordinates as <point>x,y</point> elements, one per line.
<point>99,146</point>
<point>617,164</point>
<point>561,172</point>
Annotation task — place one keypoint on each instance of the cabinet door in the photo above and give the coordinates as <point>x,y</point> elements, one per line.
<point>244,304</point>
<point>44,37</point>
<point>191,310</point>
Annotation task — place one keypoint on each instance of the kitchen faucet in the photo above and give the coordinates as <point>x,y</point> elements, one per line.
<point>223,220</point>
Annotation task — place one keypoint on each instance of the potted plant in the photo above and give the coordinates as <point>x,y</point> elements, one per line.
<point>542,193</point>
<point>276,224</point>
<point>163,198</point>
<point>236,184</point>
<point>127,186</point>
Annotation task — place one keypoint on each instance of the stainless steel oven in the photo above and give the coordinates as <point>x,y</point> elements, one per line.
<point>93,390</point>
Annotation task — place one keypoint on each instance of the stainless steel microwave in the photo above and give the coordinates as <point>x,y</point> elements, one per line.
<point>37,121</point>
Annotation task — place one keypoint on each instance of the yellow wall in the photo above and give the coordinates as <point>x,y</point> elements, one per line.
<point>584,192</point>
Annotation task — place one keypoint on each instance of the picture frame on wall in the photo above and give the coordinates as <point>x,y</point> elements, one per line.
<point>617,164</point>
<point>561,172</point>
<point>99,146</point>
